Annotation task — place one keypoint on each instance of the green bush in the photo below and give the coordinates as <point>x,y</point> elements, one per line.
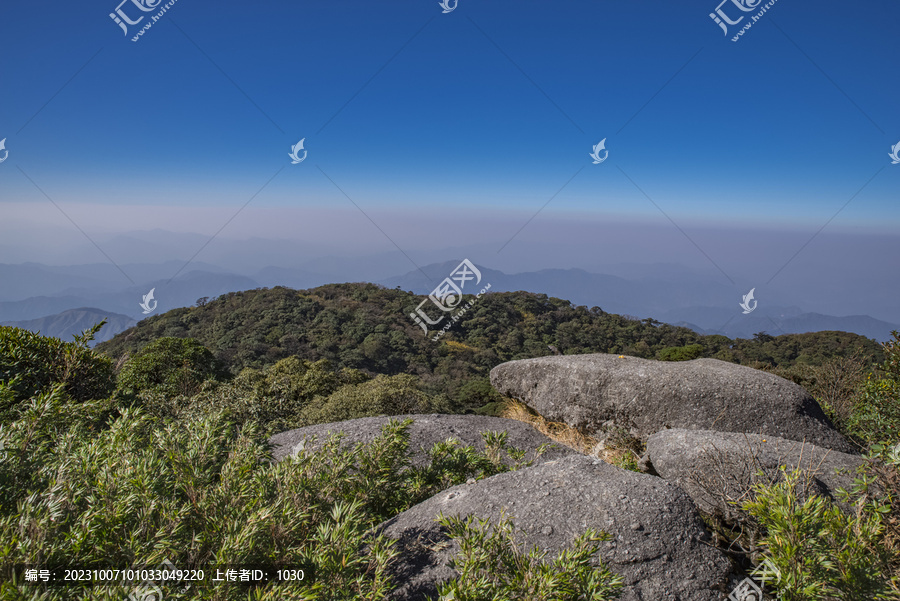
<point>171,367</point>
<point>814,551</point>
<point>79,488</point>
<point>383,395</point>
<point>875,418</point>
<point>274,396</point>
<point>477,394</point>
<point>681,353</point>
<point>30,364</point>
<point>492,566</point>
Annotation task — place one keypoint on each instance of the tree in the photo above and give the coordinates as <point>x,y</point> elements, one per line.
<point>681,353</point>
<point>171,366</point>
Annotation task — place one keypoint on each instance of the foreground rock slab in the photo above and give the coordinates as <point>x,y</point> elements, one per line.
<point>599,393</point>
<point>712,467</point>
<point>424,432</point>
<point>659,543</point>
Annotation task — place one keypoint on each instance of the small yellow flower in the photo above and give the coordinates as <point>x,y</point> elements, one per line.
<point>621,356</point>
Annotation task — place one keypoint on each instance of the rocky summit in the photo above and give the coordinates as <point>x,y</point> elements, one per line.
<point>600,393</point>
<point>659,543</point>
<point>712,430</point>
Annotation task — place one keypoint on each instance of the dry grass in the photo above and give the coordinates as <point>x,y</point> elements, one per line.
<point>566,435</point>
<point>557,431</point>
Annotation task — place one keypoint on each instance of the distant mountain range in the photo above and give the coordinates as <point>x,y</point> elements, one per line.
<point>799,324</point>
<point>705,306</point>
<point>183,291</point>
<point>67,324</point>
<point>645,297</point>
<point>53,299</point>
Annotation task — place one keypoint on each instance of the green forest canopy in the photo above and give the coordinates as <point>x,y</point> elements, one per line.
<point>368,328</point>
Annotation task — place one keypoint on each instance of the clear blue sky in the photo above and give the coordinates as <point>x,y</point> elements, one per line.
<point>749,128</point>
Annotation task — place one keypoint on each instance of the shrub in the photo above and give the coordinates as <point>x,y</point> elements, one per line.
<point>383,395</point>
<point>31,364</point>
<point>492,566</point>
<point>836,385</point>
<point>171,367</point>
<point>815,551</point>
<point>476,394</point>
<point>77,488</point>
<point>274,396</point>
<point>876,416</point>
<point>681,353</point>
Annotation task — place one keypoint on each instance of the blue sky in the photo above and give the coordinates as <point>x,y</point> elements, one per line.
<point>492,107</point>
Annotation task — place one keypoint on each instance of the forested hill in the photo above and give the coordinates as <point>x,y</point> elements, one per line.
<point>368,327</point>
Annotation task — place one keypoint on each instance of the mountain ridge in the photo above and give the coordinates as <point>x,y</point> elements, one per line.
<point>698,302</point>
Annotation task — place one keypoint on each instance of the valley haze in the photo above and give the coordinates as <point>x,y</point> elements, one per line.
<point>55,299</point>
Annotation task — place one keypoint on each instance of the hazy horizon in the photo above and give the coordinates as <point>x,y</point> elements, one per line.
<point>761,163</point>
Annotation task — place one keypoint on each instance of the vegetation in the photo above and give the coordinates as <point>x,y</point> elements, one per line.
<point>30,364</point>
<point>681,353</point>
<point>169,366</point>
<point>80,487</point>
<point>809,548</point>
<point>166,458</point>
<point>158,473</point>
<point>814,551</point>
<point>875,416</point>
<point>492,565</point>
<point>366,327</point>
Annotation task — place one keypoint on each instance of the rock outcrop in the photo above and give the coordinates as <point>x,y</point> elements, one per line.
<point>599,393</point>
<point>424,432</point>
<point>659,543</point>
<point>713,467</point>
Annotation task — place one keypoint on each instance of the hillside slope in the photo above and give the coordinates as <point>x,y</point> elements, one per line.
<point>367,327</point>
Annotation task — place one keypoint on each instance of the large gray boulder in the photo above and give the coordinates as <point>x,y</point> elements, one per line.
<point>717,467</point>
<point>659,543</point>
<point>424,432</point>
<point>599,393</point>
